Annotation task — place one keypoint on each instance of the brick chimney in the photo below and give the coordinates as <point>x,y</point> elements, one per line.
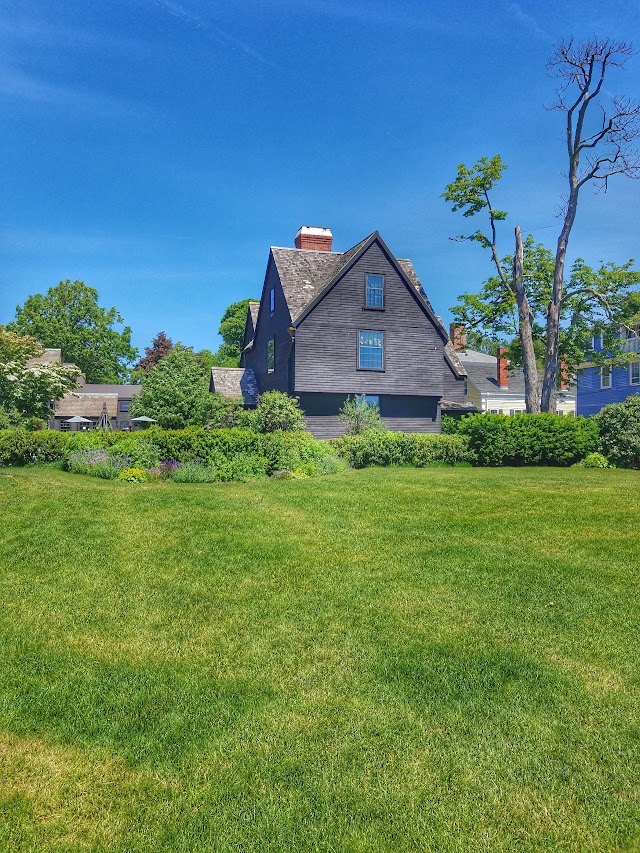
<point>564,375</point>
<point>502,371</point>
<point>458,335</point>
<point>314,239</point>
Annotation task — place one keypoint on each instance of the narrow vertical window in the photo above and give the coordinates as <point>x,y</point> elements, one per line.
<point>605,376</point>
<point>370,351</point>
<point>374,291</point>
<point>634,373</point>
<point>271,355</point>
<point>272,300</point>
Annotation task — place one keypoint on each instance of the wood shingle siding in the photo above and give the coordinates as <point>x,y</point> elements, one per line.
<point>327,338</point>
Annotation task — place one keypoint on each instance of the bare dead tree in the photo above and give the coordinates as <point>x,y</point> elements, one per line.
<point>595,153</point>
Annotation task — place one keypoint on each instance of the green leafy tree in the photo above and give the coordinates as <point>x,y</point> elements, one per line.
<point>357,415</point>
<point>593,299</point>
<point>69,317</point>
<point>601,133</point>
<point>232,332</point>
<point>175,392</point>
<point>278,411</point>
<point>26,389</point>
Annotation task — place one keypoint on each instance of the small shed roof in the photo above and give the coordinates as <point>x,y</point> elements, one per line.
<point>86,405</point>
<point>235,382</point>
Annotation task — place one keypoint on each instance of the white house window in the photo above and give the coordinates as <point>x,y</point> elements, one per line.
<point>605,376</point>
<point>516,412</point>
<point>370,350</point>
<point>271,355</point>
<point>374,291</point>
<point>495,411</point>
<point>634,373</point>
<point>272,300</point>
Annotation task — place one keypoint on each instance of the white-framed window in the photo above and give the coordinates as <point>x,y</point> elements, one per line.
<point>496,411</point>
<point>370,350</point>
<point>271,355</point>
<point>513,412</point>
<point>374,296</point>
<point>634,373</point>
<point>272,300</point>
<point>605,376</point>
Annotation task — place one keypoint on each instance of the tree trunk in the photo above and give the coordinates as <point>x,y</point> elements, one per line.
<point>551,362</point>
<point>525,330</point>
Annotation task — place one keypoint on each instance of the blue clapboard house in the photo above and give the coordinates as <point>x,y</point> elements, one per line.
<point>598,386</point>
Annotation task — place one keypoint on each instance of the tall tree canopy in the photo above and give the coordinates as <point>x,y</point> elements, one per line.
<point>175,392</point>
<point>69,317</point>
<point>601,133</point>
<point>492,312</point>
<point>232,332</point>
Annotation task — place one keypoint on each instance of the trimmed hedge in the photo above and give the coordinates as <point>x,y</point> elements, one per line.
<point>401,448</point>
<point>270,452</point>
<point>529,439</point>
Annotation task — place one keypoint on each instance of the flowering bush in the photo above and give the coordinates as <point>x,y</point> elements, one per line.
<point>133,475</point>
<point>96,462</point>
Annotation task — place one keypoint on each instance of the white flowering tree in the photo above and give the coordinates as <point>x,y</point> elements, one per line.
<point>27,389</point>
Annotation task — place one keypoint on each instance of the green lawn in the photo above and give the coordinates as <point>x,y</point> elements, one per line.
<point>381,660</point>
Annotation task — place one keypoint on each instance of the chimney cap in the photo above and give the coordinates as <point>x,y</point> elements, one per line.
<point>314,231</point>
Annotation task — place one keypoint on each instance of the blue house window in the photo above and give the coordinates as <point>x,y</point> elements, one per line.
<point>370,350</point>
<point>371,399</point>
<point>272,300</point>
<point>271,355</point>
<point>634,373</point>
<point>375,291</point>
<point>605,376</point>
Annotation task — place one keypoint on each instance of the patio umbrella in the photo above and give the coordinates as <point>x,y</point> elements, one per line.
<point>143,419</point>
<point>78,419</point>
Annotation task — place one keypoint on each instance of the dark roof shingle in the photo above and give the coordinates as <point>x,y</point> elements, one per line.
<point>235,382</point>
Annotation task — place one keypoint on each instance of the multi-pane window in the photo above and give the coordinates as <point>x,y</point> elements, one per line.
<point>272,300</point>
<point>605,376</point>
<point>370,350</point>
<point>634,373</point>
<point>271,355</point>
<point>375,291</point>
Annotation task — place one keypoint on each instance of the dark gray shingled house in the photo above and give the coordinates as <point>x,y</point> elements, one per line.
<point>333,324</point>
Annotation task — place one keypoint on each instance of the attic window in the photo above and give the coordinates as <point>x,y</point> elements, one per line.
<point>374,297</point>
<point>271,355</point>
<point>272,300</point>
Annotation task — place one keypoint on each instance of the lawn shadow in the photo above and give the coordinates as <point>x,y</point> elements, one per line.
<point>152,716</point>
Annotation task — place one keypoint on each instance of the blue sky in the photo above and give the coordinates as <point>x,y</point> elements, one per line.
<point>156,148</point>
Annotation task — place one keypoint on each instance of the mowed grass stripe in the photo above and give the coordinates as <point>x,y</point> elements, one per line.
<point>444,659</point>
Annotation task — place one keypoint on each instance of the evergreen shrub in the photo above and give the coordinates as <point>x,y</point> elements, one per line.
<point>543,439</point>
<point>619,425</point>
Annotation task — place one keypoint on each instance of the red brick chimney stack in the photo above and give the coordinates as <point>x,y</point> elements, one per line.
<point>502,371</point>
<point>314,239</point>
<point>458,335</point>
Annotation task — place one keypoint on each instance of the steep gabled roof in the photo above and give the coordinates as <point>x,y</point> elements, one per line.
<point>250,323</point>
